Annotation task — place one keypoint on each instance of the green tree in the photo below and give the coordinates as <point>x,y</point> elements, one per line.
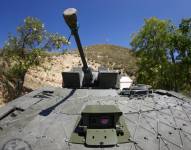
<point>164,52</point>
<point>181,42</point>
<point>151,45</point>
<point>26,50</point>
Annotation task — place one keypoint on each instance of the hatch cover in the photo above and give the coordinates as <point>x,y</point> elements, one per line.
<point>101,137</point>
<point>100,125</point>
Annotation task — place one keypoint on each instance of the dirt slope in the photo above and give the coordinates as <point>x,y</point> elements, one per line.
<point>49,73</point>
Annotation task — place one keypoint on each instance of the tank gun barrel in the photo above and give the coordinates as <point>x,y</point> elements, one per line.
<point>70,18</point>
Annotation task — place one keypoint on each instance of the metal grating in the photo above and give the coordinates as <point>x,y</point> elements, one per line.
<point>159,123</point>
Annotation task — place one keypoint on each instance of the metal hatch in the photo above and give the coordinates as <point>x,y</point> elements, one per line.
<point>100,125</point>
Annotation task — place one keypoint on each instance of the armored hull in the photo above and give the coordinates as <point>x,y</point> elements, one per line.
<point>45,119</point>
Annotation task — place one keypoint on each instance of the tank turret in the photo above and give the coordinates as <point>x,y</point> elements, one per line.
<point>85,77</point>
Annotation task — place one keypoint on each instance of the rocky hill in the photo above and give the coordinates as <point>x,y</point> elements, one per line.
<point>109,56</point>
<point>49,73</point>
<point>113,57</point>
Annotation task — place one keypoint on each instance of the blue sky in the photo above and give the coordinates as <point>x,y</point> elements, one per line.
<point>101,21</point>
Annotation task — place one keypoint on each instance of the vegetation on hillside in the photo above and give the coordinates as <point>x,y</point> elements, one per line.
<point>113,57</point>
<point>23,51</point>
<point>165,54</point>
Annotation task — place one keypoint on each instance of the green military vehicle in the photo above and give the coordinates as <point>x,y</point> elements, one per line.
<point>90,112</point>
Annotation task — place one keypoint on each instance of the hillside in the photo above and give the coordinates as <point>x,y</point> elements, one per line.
<point>49,72</point>
<point>109,56</point>
<point>113,57</point>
